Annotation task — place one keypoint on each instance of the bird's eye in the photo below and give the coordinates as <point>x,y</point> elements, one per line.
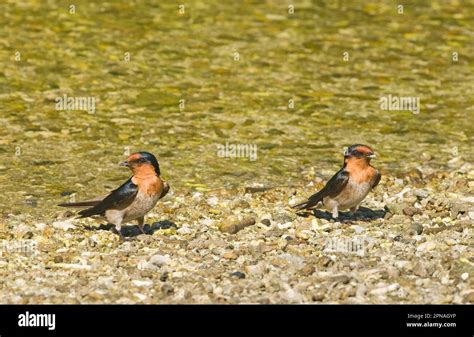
<point>141,160</point>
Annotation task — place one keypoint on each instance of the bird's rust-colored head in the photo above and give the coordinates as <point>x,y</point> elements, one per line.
<point>141,162</point>
<point>359,152</point>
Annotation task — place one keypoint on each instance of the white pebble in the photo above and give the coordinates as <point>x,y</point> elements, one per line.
<point>197,195</point>
<point>426,247</point>
<point>64,225</point>
<point>142,283</point>
<point>141,297</point>
<point>398,181</point>
<point>213,201</point>
<point>160,260</point>
<point>40,226</point>
<point>394,286</point>
<point>184,230</point>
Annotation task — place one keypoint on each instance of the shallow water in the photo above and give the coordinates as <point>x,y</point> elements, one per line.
<point>45,152</point>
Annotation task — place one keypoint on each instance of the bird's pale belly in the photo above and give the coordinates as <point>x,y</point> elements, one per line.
<point>351,196</point>
<point>138,208</point>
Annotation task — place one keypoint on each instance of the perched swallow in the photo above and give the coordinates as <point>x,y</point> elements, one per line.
<point>131,201</point>
<point>350,185</point>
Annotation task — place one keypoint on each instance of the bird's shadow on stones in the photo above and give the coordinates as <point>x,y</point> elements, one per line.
<point>362,214</point>
<point>134,230</point>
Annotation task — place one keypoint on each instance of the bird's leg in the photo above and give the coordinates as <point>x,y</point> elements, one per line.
<point>354,209</point>
<point>141,224</point>
<point>118,228</point>
<point>122,238</point>
<point>335,213</point>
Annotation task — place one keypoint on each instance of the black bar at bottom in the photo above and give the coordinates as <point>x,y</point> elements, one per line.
<point>242,320</point>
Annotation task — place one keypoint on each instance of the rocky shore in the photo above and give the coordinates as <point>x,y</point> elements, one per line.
<point>411,242</point>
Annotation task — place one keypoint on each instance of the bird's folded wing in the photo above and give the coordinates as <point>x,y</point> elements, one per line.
<point>166,188</point>
<point>117,199</point>
<point>377,179</point>
<point>334,186</point>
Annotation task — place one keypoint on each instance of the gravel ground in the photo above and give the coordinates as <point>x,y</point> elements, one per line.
<point>411,242</point>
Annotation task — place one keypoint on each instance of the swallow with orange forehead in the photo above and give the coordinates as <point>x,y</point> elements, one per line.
<point>350,185</point>
<point>132,200</point>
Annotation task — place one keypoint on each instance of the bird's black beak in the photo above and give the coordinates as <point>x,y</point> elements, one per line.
<point>125,163</point>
